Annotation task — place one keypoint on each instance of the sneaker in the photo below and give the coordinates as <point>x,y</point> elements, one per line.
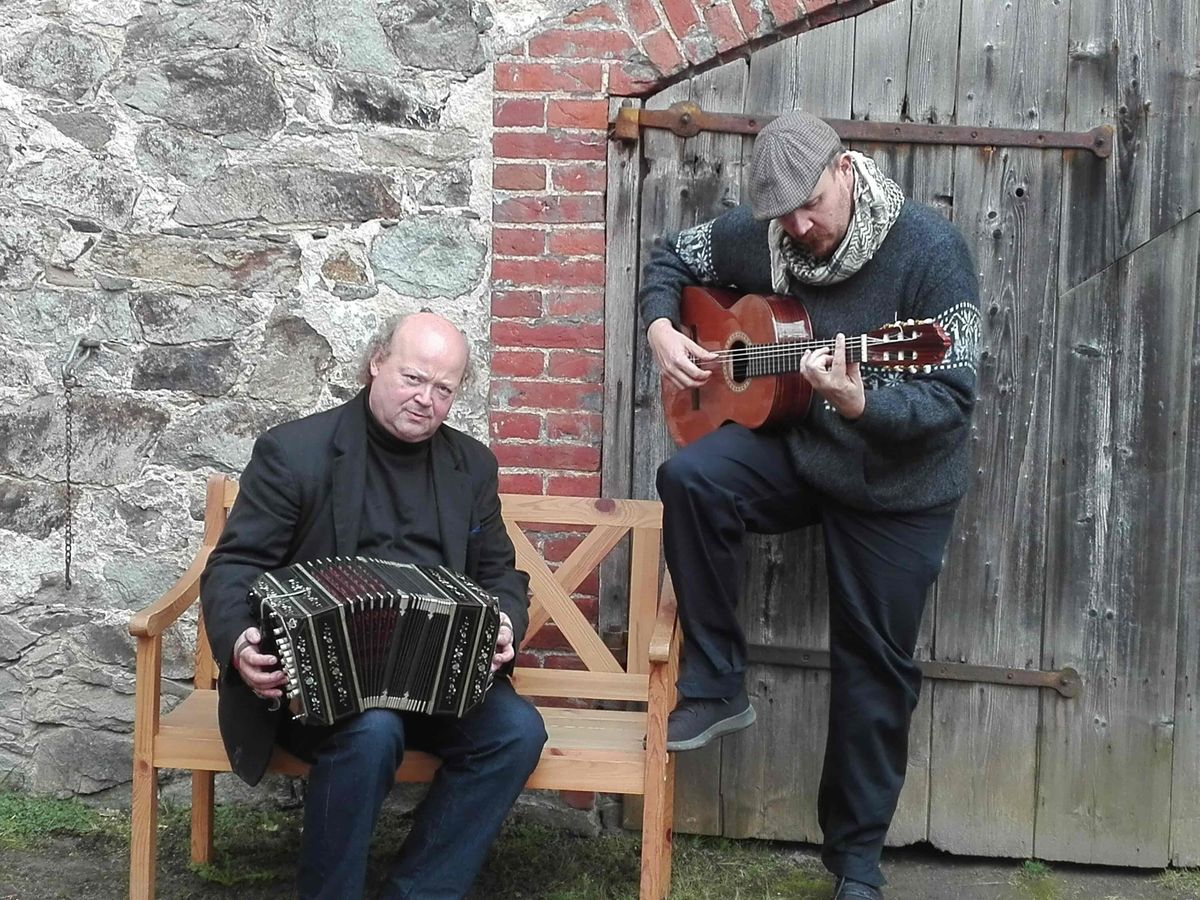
<point>849,889</point>
<point>695,721</point>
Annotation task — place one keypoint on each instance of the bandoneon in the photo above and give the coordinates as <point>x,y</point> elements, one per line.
<point>356,633</point>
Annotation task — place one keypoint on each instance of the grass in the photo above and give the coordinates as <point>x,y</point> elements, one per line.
<point>25,819</point>
<point>1180,882</point>
<point>1036,881</point>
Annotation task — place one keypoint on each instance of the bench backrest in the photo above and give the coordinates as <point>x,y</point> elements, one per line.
<point>609,521</point>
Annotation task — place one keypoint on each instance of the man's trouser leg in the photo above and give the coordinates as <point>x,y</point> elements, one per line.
<point>487,756</point>
<point>715,490</point>
<point>880,569</point>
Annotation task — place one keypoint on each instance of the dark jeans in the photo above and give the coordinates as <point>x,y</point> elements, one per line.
<point>487,757</point>
<point>880,565</point>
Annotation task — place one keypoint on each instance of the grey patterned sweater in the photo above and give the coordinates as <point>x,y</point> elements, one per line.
<point>908,452</point>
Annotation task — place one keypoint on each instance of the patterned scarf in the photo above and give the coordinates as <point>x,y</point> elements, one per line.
<point>877,202</point>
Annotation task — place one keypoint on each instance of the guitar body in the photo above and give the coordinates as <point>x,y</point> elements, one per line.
<point>722,320</point>
<point>760,342</point>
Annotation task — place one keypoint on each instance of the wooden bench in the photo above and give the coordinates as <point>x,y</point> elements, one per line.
<point>608,750</point>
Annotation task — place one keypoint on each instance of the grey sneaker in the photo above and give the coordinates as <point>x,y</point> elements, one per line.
<point>849,889</point>
<point>695,721</point>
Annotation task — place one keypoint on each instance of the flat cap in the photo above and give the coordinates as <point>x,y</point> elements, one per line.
<point>789,156</point>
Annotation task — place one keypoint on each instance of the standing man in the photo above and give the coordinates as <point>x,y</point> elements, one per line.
<point>880,463</point>
<point>383,476</point>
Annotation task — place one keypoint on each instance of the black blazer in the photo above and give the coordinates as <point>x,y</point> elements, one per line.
<point>300,498</point>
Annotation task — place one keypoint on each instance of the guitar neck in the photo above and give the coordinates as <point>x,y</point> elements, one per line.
<point>783,357</point>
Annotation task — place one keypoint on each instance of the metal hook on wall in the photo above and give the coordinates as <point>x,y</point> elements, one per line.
<point>80,351</point>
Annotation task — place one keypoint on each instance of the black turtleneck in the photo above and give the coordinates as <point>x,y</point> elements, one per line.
<point>399,515</point>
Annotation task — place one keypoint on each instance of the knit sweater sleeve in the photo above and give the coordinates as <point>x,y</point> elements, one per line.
<point>730,250</point>
<point>942,399</point>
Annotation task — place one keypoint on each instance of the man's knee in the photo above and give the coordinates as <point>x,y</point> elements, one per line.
<point>376,734</point>
<point>523,735</point>
<point>684,473</point>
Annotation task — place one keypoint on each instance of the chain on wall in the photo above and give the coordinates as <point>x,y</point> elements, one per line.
<point>79,352</point>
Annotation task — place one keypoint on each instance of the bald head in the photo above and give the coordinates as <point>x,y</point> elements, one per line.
<point>413,370</point>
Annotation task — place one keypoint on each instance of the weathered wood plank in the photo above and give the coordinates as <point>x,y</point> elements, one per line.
<point>1185,799</point>
<point>1173,129</point>
<point>770,773</point>
<point>620,337</point>
<point>1123,364</point>
<point>1106,203</point>
<point>1006,201</point>
<point>685,182</point>
<point>931,97</point>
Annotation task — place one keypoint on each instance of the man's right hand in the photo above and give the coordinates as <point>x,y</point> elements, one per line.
<point>677,354</point>
<point>258,670</point>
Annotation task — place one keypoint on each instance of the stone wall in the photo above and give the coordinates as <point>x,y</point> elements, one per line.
<point>229,196</point>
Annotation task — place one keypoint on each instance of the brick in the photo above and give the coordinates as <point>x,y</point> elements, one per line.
<point>573,486</point>
<point>548,637</point>
<point>572,272</point>
<point>631,80</point>
<point>601,12</point>
<point>583,427</point>
<point>564,662</point>
<point>748,15</point>
<point>549,145</point>
<point>590,43</point>
<point>786,11</point>
<point>519,177</point>
<point>518,242</point>
<point>514,426</point>
<point>511,333</point>
<point>514,113</point>
<point>562,113</point>
<point>575,364</point>
<point>579,178</point>
<point>516,304</point>
<point>590,585</point>
<point>531,660</point>
<point>557,549</point>
<point>662,50</point>
<point>812,7</point>
<point>574,304</point>
<point>724,27</point>
<point>520,483</point>
<point>572,78</point>
<point>571,457</point>
<point>643,16</point>
<point>517,364</point>
<point>578,799</point>
<point>546,395</point>
<point>577,242</point>
<point>549,209</point>
<point>681,15</point>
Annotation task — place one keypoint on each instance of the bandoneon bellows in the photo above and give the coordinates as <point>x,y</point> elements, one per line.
<point>355,633</point>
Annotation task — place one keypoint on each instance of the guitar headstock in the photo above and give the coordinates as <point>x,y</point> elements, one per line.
<point>915,345</point>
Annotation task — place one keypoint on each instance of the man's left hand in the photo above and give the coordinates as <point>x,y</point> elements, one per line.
<point>838,381</point>
<point>505,651</point>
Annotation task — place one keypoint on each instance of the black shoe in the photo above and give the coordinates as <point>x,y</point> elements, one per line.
<point>695,721</point>
<point>849,889</point>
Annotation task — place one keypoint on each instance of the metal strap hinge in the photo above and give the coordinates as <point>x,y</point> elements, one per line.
<point>1066,680</point>
<point>687,119</point>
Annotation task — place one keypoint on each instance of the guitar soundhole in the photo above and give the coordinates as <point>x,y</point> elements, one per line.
<point>739,362</point>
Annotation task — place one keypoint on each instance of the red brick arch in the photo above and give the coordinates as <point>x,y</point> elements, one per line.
<point>550,116</point>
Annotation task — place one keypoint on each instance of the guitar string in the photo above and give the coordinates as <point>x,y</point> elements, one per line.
<point>768,352</point>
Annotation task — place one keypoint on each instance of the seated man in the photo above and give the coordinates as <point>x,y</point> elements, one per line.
<point>383,476</point>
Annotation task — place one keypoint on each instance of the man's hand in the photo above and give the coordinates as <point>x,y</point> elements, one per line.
<point>505,650</point>
<point>834,379</point>
<point>257,669</point>
<point>676,354</point>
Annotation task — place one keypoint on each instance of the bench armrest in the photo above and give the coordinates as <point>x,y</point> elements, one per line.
<point>663,636</point>
<point>154,619</point>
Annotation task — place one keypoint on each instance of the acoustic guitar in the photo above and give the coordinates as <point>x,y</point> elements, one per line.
<point>759,341</point>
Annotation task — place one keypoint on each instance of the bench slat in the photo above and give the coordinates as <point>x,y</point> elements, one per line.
<point>586,685</point>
